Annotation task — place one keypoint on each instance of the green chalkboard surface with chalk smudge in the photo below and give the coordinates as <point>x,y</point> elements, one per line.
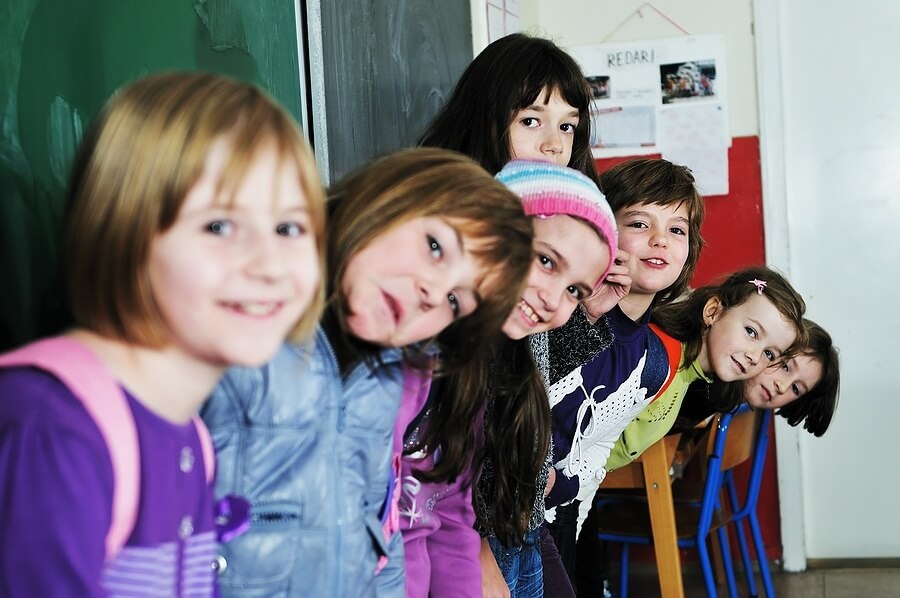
<point>59,61</point>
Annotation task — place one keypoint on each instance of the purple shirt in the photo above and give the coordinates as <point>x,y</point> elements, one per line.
<point>56,484</point>
<point>440,543</point>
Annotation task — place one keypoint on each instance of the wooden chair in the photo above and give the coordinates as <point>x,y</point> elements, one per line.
<point>730,440</point>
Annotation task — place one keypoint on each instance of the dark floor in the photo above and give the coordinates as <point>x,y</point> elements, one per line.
<point>844,582</point>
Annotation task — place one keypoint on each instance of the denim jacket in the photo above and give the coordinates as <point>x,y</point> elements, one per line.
<point>312,452</point>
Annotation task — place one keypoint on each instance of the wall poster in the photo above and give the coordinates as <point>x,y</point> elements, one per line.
<point>662,96</point>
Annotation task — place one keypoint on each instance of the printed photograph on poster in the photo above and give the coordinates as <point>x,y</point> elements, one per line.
<point>599,87</point>
<point>633,84</point>
<point>687,81</point>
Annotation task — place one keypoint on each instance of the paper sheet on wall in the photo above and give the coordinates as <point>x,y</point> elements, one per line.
<point>694,136</point>
<point>661,96</point>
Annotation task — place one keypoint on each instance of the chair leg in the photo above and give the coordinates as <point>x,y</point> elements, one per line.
<point>623,571</point>
<point>742,538</point>
<point>745,556</point>
<point>741,535</point>
<point>706,566</point>
<point>722,534</point>
<point>715,552</point>
<point>761,555</point>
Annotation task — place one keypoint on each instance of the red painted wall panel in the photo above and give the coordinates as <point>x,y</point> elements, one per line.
<point>733,230</point>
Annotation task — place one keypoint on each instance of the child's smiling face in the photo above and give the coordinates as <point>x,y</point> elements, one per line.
<point>745,339</point>
<point>784,383</point>
<point>569,259</point>
<point>656,240</point>
<point>234,273</point>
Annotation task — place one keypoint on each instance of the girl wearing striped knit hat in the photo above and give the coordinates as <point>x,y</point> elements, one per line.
<point>495,407</point>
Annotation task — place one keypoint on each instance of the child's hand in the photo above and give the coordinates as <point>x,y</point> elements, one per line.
<point>492,583</point>
<point>611,291</point>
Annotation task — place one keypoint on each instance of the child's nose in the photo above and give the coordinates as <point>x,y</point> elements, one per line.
<point>552,143</point>
<point>427,293</point>
<point>659,239</point>
<point>550,298</point>
<point>265,260</point>
<point>753,357</point>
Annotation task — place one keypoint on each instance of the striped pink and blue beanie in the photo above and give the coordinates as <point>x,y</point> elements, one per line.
<point>548,189</point>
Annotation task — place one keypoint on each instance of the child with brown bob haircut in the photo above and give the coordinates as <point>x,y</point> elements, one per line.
<point>605,365</point>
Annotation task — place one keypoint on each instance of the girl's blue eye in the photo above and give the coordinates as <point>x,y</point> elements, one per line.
<point>454,304</point>
<point>290,229</point>
<point>750,331</point>
<point>434,247</point>
<point>770,355</point>
<point>220,227</point>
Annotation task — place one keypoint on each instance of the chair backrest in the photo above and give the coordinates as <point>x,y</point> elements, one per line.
<point>740,440</point>
<point>731,441</point>
<point>728,440</point>
<point>761,439</point>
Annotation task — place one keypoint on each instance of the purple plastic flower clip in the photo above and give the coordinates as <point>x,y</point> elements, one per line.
<point>232,517</point>
<point>760,285</point>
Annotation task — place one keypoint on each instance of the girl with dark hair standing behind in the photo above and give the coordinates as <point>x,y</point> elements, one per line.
<point>522,97</point>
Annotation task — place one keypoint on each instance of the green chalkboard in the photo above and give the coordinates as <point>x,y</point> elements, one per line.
<point>387,68</point>
<point>59,61</point>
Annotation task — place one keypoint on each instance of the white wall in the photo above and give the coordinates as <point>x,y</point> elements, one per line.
<point>834,199</point>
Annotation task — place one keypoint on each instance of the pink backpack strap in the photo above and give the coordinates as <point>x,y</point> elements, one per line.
<point>209,451</point>
<point>89,380</point>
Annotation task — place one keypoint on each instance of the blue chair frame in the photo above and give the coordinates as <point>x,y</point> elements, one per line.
<point>710,516</point>
<point>747,512</point>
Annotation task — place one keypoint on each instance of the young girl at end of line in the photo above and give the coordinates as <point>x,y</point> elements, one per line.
<point>729,332</point>
<point>803,389</point>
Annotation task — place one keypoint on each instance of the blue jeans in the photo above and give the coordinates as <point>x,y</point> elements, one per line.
<point>521,565</point>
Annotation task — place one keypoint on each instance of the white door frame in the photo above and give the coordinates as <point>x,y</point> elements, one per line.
<point>768,36</point>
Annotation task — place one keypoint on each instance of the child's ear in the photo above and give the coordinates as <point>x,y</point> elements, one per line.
<point>712,310</point>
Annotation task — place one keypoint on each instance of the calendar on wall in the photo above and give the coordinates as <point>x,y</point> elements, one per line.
<point>662,96</point>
